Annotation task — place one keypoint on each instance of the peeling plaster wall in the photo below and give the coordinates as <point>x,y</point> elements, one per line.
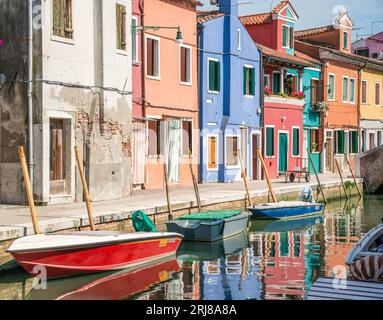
<point>97,121</point>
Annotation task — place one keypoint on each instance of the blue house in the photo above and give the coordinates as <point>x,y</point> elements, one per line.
<point>230,95</point>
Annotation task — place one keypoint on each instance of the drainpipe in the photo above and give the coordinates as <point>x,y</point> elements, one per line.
<point>30,87</point>
<point>358,103</point>
<point>261,88</point>
<point>143,93</point>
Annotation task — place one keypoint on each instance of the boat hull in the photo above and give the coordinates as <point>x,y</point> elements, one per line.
<point>209,231</point>
<point>65,262</point>
<point>287,212</point>
<point>284,225</point>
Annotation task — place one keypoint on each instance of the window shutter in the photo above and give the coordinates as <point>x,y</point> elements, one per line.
<point>245,81</point>
<point>295,142</point>
<point>149,57</point>
<point>118,25</point>
<point>212,153</point>
<point>312,91</point>
<point>252,86</point>
<point>355,142</point>
<point>291,37</point>
<point>218,76</point>
<point>58,26</point>
<point>68,18</point>
<point>123,27</point>
<point>319,90</point>
<point>183,64</point>
<point>341,142</point>
<point>211,75</point>
<point>269,142</point>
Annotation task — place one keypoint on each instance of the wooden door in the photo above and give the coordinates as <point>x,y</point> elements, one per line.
<point>283,152</point>
<point>329,160</point>
<point>57,165</point>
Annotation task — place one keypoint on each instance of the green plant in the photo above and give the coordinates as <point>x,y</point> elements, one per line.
<point>320,106</point>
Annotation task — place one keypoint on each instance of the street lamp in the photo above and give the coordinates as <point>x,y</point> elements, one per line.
<point>137,29</point>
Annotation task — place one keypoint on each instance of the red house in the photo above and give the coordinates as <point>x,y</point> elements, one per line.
<point>284,102</point>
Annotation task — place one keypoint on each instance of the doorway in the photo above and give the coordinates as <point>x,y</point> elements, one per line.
<point>255,161</point>
<point>139,154</point>
<point>244,152</point>
<point>372,141</point>
<point>57,157</point>
<point>282,152</point>
<point>328,152</point>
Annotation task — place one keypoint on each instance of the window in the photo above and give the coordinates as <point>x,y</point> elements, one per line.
<point>270,141</point>
<point>62,18</point>
<point>363,140</point>
<point>352,90</point>
<point>121,26</point>
<point>185,64</point>
<point>316,91</point>
<point>154,137</point>
<point>187,138</point>
<point>379,138</point>
<point>266,81</point>
<point>232,151</point>
<point>345,40</point>
<point>276,82</point>
<point>296,142</point>
<point>339,142</point>
<point>345,89</point>
<point>377,94</point>
<point>285,36</point>
<point>134,40</point>
<point>353,142</point>
<point>291,84</point>
<point>364,91</point>
<point>239,39</point>
<point>363,52</point>
<point>331,89</point>
<point>314,140</point>
<point>248,81</point>
<point>212,152</point>
<point>152,57</point>
<point>214,75</point>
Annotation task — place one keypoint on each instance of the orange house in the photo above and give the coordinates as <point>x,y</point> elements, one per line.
<point>340,133</point>
<point>170,101</point>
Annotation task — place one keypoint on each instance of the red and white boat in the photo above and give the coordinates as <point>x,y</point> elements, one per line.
<point>76,253</point>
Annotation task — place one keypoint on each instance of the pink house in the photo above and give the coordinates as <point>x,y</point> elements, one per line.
<point>371,47</point>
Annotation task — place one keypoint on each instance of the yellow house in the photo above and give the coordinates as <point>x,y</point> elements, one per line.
<point>371,105</point>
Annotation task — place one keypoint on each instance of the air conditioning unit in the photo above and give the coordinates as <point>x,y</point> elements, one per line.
<point>378,55</point>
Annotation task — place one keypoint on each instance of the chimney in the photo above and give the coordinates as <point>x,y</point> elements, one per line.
<point>228,7</point>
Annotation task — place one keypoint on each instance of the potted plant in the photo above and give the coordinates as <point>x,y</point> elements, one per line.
<point>268,91</point>
<point>320,106</point>
<point>299,95</point>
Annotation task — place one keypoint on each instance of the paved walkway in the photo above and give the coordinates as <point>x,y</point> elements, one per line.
<point>15,221</point>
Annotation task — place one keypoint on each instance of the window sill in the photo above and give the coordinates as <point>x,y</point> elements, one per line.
<point>62,40</point>
<point>153,78</point>
<point>136,63</point>
<point>248,96</point>
<point>189,84</point>
<point>232,167</point>
<point>212,170</point>
<point>122,52</point>
<point>213,92</point>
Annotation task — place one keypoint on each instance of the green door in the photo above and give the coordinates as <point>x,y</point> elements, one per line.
<point>283,149</point>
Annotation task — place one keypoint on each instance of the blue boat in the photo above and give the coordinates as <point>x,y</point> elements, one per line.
<point>286,210</point>
<point>270,226</point>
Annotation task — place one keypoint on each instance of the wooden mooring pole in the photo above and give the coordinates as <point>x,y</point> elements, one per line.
<point>28,188</point>
<point>170,214</point>
<point>245,181</point>
<point>317,176</point>
<point>341,178</point>
<point>85,188</point>
<point>353,176</point>
<point>195,185</point>
<point>267,176</point>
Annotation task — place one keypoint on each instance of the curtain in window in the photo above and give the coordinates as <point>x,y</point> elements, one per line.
<point>174,150</point>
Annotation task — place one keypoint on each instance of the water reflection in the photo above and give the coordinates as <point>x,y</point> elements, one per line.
<point>274,260</point>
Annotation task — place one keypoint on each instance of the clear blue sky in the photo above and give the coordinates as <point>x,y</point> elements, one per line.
<point>315,13</point>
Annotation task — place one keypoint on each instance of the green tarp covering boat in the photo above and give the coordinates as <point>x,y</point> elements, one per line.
<point>212,215</point>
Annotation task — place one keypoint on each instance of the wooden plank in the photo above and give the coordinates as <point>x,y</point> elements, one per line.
<point>352,288</point>
<point>334,296</point>
<point>354,283</point>
<point>353,293</point>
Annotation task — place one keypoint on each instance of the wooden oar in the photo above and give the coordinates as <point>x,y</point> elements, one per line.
<point>170,214</point>
<point>353,176</point>
<point>85,187</point>
<point>27,182</point>
<point>195,185</point>
<point>341,178</point>
<point>317,176</point>
<point>267,176</point>
<point>244,175</point>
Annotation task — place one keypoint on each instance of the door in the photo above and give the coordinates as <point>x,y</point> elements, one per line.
<point>283,152</point>
<point>56,154</point>
<point>255,147</point>
<point>329,160</point>
<point>174,150</point>
<point>139,153</point>
<point>372,141</point>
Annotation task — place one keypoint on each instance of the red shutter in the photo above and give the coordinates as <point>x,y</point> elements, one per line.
<point>183,64</point>
<point>149,57</point>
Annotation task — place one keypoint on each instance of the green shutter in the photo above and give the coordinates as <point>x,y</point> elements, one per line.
<point>252,87</point>
<point>244,80</point>
<point>340,142</point>
<point>355,142</point>
<point>211,75</point>
<point>269,142</point>
<point>295,142</point>
<point>218,76</point>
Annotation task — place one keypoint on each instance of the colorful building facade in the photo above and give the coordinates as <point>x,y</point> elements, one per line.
<point>339,136</point>
<point>371,47</point>
<point>167,133</point>
<point>283,80</point>
<point>230,95</point>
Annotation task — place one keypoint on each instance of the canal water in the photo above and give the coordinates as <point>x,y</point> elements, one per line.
<point>274,260</point>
